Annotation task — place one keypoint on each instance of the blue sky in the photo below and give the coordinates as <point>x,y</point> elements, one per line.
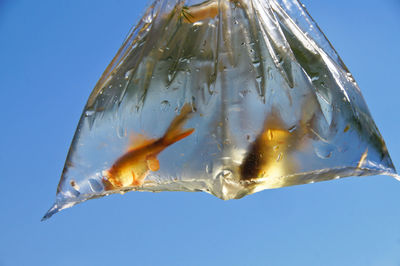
<point>53,52</point>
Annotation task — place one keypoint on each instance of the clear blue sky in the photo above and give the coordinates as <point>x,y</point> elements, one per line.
<point>53,52</point>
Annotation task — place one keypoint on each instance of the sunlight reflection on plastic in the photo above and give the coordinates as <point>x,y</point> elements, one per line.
<point>229,97</point>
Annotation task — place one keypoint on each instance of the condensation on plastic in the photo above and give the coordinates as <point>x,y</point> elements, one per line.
<point>228,97</point>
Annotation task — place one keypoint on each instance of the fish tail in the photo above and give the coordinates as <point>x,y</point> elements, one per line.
<point>175,132</point>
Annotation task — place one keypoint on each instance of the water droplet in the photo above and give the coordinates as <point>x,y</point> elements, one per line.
<point>315,78</point>
<point>256,64</point>
<point>147,19</point>
<point>270,134</point>
<point>169,76</point>
<point>128,74</point>
<point>292,128</point>
<point>165,105</point>
<point>89,113</point>
<point>121,132</point>
<point>243,93</point>
<point>350,77</point>
<point>209,168</point>
<point>219,147</point>
<point>224,173</point>
<point>280,155</point>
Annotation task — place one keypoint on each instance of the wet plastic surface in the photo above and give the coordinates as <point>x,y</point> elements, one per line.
<point>228,97</point>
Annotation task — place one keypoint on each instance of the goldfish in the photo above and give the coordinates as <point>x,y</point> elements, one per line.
<point>265,155</point>
<point>205,10</point>
<point>270,156</point>
<point>131,169</point>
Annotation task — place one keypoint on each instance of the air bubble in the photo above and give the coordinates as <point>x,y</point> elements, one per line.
<point>121,132</point>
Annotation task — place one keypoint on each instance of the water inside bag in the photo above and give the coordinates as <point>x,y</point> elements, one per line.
<point>228,97</point>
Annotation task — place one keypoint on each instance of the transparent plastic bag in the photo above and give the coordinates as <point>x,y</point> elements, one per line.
<point>228,97</point>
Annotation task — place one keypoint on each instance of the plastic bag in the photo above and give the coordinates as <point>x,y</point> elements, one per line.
<point>228,97</point>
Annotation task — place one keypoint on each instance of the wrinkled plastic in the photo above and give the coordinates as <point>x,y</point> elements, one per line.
<point>228,97</point>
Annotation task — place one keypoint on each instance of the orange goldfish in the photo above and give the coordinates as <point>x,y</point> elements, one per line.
<point>131,169</point>
<point>264,158</point>
<point>205,10</point>
<point>270,156</point>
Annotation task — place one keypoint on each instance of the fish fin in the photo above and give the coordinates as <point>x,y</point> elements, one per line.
<point>152,163</point>
<point>135,181</point>
<point>138,140</point>
<point>180,136</point>
<point>175,132</point>
<point>107,184</point>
